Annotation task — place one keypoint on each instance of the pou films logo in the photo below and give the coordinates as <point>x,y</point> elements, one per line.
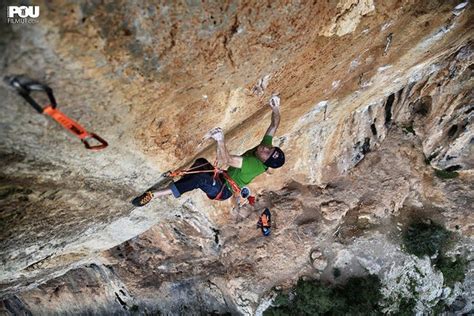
<point>23,14</point>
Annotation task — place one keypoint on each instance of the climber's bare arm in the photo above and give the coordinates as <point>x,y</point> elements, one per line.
<point>275,105</point>
<point>224,158</point>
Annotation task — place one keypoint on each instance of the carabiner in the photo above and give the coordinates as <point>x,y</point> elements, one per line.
<point>245,192</point>
<point>24,86</point>
<point>102,142</point>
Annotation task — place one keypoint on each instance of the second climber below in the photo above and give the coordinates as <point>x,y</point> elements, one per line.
<point>241,171</point>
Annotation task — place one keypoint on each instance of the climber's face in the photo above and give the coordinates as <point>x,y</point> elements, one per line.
<point>264,152</point>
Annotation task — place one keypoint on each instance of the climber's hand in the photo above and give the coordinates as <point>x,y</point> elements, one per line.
<point>274,102</point>
<point>216,133</point>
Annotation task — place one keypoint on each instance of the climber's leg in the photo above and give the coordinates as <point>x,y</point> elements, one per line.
<point>189,182</point>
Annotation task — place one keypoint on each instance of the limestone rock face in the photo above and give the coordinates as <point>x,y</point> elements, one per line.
<point>376,96</point>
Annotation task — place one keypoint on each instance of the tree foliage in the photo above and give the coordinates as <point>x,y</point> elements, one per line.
<point>359,296</point>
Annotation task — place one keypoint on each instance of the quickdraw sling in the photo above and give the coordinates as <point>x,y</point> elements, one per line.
<point>25,86</point>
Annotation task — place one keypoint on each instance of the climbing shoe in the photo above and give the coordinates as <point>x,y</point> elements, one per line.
<point>265,222</point>
<point>143,199</point>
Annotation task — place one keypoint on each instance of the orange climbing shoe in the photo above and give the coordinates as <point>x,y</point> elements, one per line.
<point>143,199</point>
<point>146,198</point>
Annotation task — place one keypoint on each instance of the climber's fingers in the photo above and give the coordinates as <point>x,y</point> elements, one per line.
<point>216,133</point>
<point>274,102</point>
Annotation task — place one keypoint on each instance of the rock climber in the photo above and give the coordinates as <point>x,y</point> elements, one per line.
<point>242,169</point>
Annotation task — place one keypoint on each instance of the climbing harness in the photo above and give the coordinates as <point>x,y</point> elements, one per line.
<point>24,86</point>
<point>238,192</point>
<point>244,193</point>
<point>265,222</point>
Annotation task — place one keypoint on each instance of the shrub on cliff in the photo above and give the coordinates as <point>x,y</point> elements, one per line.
<point>359,295</point>
<point>453,269</point>
<point>433,240</point>
<point>425,239</point>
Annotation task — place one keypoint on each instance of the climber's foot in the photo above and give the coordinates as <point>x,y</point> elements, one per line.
<point>143,199</point>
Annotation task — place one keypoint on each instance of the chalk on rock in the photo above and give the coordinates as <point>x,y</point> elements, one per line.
<point>261,85</point>
<point>459,8</point>
<point>461,5</point>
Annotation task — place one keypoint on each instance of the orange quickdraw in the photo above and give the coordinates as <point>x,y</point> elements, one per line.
<point>75,128</point>
<point>24,86</point>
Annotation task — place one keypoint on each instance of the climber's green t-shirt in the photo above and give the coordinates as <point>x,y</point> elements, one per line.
<point>251,166</point>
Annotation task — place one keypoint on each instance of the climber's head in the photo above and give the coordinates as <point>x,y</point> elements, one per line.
<point>272,157</point>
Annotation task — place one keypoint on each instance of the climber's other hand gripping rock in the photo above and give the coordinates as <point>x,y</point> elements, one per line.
<point>216,133</point>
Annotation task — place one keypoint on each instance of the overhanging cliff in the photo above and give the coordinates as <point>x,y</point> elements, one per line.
<point>375,96</point>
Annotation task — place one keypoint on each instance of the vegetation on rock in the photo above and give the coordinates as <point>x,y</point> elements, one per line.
<point>425,239</point>
<point>453,269</point>
<point>359,295</point>
<point>443,174</point>
<point>433,240</point>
